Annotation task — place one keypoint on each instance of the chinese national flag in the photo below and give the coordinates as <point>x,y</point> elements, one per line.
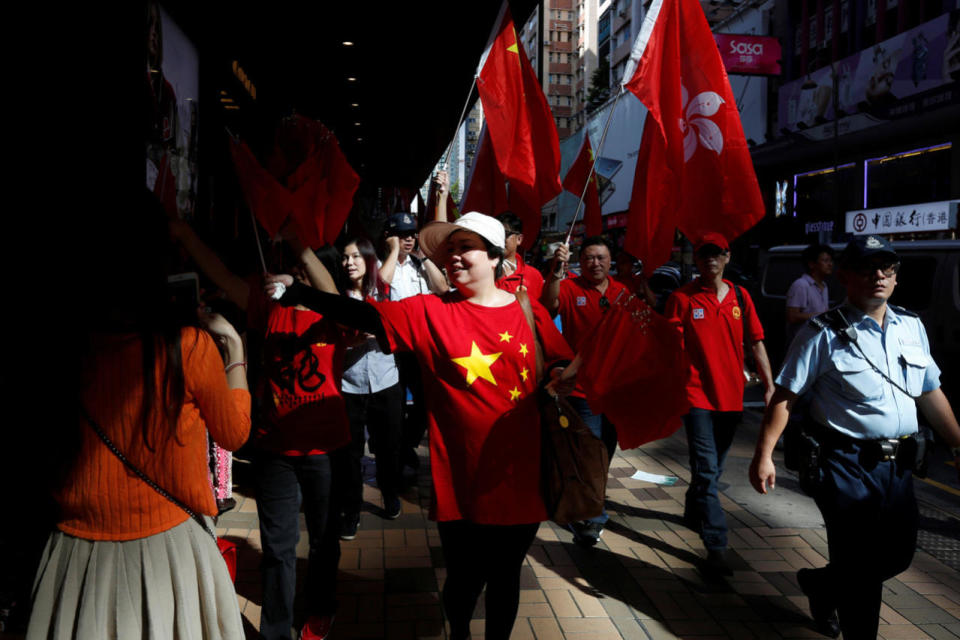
<point>486,190</point>
<point>269,201</point>
<point>632,332</point>
<point>320,181</point>
<point>519,122</point>
<point>342,184</point>
<point>574,182</point>
<point>694,170</point>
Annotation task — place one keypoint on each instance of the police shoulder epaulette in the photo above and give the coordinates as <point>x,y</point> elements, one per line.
<point>900,311</point>
<point>831,318</point>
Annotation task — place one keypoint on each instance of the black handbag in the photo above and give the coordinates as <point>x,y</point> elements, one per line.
<point>573,462</point>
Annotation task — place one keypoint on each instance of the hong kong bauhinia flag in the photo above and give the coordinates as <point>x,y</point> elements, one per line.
<point>694,170</point>
<point>519,123</point>
<point>574,182</point>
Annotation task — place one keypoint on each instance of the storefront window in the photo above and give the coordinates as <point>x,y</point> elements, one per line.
<point>918,175</point>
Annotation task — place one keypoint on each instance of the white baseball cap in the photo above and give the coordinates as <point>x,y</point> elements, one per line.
<point>434,234</point>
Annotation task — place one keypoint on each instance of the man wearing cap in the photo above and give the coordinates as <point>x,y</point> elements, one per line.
<point>716,319</point>
<point>863,368</point>
<point>516,272</point>
<point>581,302</point>
<point>409,275</point>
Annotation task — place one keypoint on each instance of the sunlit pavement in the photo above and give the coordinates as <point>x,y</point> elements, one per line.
<point>641,580</point>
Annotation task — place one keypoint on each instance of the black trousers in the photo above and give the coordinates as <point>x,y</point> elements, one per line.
<point>414,416</point>
<point>478,555</point>
<point>380,413</point>
<point>281,481</point>
<point>870,512</point>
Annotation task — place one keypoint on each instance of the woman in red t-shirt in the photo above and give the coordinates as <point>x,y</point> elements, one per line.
<point>477,354</point>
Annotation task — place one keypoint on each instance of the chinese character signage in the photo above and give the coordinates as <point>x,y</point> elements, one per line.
<point>759,55</point>
<point>911,218</point>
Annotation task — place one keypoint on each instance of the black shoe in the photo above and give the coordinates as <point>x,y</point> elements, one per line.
<point>348,530</point>
<point>715,564</point>
<point>391,507</point>
<point>586,534</point>
<point>823,612</point>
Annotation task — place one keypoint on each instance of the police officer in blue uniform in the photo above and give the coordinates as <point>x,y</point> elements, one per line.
<point>861,368</point>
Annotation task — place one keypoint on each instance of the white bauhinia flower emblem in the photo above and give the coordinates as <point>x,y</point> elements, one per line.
<point>695,123</point>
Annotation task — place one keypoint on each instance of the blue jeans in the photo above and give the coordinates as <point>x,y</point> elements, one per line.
<point>709,436</point>
<point>603,429</point>
<point>281,481</point>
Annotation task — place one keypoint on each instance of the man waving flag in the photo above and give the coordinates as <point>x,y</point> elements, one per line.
<point>694,169</point>
<point>519,123</point>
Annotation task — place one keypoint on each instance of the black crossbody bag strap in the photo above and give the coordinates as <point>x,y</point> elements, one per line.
<point>140,474</point>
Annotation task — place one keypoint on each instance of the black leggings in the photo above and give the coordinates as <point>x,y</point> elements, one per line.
<point>478,555</point>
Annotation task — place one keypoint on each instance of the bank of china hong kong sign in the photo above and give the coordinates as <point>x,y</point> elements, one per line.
<point>909,218</point>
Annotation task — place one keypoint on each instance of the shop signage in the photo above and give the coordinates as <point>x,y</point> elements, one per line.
<point>878,80</point>
<point>817,227</point>
<point>910,218</point>
<point>746,54</point>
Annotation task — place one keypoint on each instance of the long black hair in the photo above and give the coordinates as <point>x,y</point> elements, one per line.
<point>136,266</point>
<point>372,283</point>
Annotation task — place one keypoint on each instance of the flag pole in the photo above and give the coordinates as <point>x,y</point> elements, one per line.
<point>256,231</point>
<point>463,112</point>
<point>596,157</point>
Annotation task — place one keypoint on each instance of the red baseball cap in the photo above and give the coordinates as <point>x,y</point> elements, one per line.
<point>716,239</point>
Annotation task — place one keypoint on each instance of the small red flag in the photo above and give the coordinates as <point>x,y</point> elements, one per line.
<point>574,182</point>
<point>342,184</point>
<point>267,199</point>
<point>694,169</point>
<point>521,127</point>
<point>632,332</point>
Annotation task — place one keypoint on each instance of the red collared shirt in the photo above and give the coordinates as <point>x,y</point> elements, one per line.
<point>524,275</point>
<point>713,338</point>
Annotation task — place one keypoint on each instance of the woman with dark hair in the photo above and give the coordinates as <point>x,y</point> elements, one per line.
<point>478,357</point>
<point>126,561</point>
<point>372,392</point>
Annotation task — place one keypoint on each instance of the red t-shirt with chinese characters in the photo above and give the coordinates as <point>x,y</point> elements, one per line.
<point>713,339</point>
<point>303,409</point>
<point>524,275</point>
<point>479,376</point>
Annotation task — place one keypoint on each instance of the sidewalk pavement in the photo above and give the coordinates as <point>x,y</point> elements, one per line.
<point>640,582</point>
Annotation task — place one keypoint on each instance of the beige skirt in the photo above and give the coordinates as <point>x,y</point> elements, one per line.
<point>170,586</point>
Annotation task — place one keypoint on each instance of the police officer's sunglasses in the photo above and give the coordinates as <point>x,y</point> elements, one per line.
<point>887,267</point>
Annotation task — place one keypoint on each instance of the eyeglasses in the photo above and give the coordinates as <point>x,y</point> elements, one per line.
<point>888,269</point>
<point>407,234</point>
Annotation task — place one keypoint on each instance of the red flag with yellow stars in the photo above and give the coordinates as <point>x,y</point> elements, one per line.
<point>521,126</point>
<point>479,375</point>
<point>645,402</point>
<point>574,181</point>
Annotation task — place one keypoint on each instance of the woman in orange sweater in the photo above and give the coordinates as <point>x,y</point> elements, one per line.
<point>124,561</point>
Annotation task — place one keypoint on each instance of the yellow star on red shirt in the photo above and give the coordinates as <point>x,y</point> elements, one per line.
<point>478,364</point>
<point>523,349</point>
<point>524,374</point>
<point>505,336</point>
<point>514,394</point>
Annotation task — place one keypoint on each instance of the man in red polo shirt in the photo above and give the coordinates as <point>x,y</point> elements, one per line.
<point>715,325</point>
<point>581,302</point>
<point>516,272</point>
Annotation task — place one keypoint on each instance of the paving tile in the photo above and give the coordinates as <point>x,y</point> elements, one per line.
<point>901,631</point>
<point>546,629</point>
<point>936,631</point>
<point>587,625</point>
